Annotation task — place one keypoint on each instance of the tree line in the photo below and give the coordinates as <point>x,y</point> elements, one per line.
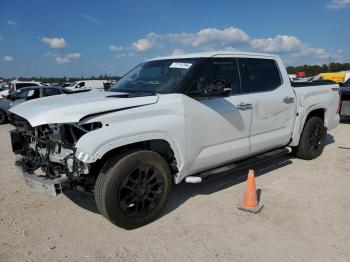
<point>312,70</point>
<point>64,78</point>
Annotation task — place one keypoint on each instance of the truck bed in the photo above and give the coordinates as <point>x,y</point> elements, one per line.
<point>325,95</point>
<point>313,83</point>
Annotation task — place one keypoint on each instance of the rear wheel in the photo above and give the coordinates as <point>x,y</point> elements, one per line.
<point>133,188</point>
<point>3,117</point>
<point>312,139</point>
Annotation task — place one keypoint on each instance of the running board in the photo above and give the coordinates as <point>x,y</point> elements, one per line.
<point>239,165</point>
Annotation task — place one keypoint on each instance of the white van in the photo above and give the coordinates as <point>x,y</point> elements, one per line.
<point>87,84</point>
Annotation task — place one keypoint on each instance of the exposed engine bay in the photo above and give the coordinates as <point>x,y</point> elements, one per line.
<point>50,148</point>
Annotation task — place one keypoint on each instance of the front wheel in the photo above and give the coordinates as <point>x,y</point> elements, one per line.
<point>312,140</point>
<point>133,188</point>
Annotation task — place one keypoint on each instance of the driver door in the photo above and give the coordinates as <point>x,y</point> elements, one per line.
<point>217,127</point>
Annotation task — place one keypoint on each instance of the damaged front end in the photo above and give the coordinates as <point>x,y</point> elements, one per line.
<point>45,155</point>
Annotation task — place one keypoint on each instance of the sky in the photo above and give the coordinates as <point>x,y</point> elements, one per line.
<point>85,38</point>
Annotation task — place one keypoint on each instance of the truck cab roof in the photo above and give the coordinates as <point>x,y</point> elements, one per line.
<point>216,54</point>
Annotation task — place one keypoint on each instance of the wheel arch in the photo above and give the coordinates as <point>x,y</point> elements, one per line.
<point>320,112</point>
<point>166,147</point>
<point>316,110</point>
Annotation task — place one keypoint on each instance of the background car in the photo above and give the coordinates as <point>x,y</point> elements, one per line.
<point>25,94</point>
<point>16,84</point>
<point>87,84</point>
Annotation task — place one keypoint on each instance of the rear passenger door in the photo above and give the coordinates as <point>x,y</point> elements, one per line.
<point>273,103</point>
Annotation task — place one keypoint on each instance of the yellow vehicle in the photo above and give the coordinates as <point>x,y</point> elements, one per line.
<point>336,77</point>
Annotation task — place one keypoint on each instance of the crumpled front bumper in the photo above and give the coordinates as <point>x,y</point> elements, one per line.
<point>53,187</point>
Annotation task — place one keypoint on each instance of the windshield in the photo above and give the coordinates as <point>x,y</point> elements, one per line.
<point>161,76</point>
<point>19,94</point>
<point>71,84</point>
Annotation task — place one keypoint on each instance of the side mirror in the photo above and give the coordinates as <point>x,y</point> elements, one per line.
<point>218,88</point>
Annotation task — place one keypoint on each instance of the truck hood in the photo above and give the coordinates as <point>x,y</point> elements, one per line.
<point>71,108</point>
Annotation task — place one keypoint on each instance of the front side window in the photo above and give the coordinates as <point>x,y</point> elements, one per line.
<point>217,72</point>
<point>259,75</point>
<point>81,84</point>
<point>160,76</point>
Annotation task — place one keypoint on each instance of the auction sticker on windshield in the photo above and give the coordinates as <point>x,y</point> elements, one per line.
<point>180,65</point>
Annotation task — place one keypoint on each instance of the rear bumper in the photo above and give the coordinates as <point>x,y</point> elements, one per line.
<point>333,123</point>
<point>52,187</point>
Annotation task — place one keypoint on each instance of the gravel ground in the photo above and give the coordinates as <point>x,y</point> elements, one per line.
<point>305,218</point>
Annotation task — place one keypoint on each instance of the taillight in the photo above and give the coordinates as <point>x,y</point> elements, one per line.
<point>340,102</point>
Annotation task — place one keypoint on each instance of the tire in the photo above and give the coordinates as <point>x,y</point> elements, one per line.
<point>3,117</point>
<point>312,139</point>
<point>133,188</point>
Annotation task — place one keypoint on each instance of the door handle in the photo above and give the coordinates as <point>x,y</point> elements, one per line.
<point>244,106</point>
<point>288,100</point>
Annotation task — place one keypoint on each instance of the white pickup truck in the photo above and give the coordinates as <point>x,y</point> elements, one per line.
<point>171,119</point>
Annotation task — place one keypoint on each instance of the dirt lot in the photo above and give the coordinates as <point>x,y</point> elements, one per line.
<point>305,218</point>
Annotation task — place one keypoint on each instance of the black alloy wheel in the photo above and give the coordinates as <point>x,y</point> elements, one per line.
<point>141,191</point>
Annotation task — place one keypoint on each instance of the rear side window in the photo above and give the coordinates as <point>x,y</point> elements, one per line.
<point>33,94</point>
<point>51,92</point>
<point>259,75</point>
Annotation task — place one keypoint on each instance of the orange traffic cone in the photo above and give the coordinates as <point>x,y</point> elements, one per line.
<point>250,199</point>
